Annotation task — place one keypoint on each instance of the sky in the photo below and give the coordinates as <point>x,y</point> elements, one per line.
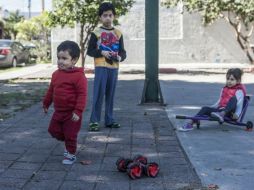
<point>22,5</point>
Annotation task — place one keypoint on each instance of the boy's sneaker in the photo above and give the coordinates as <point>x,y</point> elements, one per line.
<point>186,127</point>
<point>94,126</point>
<point>114,125</point>
<point>218,116</point>
<point>69,159</point>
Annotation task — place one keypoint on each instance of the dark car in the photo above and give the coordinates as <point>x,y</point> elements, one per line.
<point>13,53</point>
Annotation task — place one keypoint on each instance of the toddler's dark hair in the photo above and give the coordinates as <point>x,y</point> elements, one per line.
<point>236,73</point>
<point>70,46</point>
<point>106,6</point>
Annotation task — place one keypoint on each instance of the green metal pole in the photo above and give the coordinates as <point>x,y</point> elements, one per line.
<point>151,91</point>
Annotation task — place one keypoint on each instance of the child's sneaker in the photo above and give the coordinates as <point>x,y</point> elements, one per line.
<point>114,125</point>
<point>186,127</point>
<point>94,126</point>
<point>69,159</point>
<point>65,153</point>
<point>218,116</point>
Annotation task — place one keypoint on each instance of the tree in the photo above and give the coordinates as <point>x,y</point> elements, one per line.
<point>238,13</point>
<point>84,13</point>
<point>10,22</point>
<point>36,29</point>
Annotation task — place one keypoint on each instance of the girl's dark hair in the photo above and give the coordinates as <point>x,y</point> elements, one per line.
<point>71,47</point>
<point>106,6</point>
<point>236,73</point>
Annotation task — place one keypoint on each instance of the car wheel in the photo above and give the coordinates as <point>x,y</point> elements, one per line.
<point>28,61</point>
<point>14,62</point>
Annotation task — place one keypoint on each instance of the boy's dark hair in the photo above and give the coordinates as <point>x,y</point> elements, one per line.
<point>70,46</point>
<point>106,6</point>
<point>236,73</point>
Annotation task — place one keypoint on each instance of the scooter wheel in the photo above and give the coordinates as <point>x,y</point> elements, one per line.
<point>134,170</point>
<point>249,126</point>
<point>140,158</point>
<point>198,124</point>
<point>122,164</point>
<point>152,169</point>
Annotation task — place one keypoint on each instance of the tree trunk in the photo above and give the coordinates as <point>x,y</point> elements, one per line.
<point>82,44</point>
<point>246,48</point>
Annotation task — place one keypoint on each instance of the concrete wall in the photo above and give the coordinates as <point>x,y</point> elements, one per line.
<point>183,38</point>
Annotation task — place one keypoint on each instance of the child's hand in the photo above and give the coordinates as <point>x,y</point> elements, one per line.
<point>119,58</point>
<point>75,117</point>
<point>106,54</point>
<point>234,116</point>
<point>45,110</point>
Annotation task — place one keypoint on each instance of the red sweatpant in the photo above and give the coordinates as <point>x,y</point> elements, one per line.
<point>64,129</point>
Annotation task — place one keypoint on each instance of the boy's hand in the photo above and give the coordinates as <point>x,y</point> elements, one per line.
<point>75,117</point>
<point>106,54</point>
<point>45,110</point>
<point>119,58</point>
<point>234,116</point>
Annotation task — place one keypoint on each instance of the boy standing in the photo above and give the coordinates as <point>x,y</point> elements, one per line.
<point>68,92</point>
<point>107,47</point>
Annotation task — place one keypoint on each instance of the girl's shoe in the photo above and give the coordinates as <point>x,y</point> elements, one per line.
<point>94,126</point>
<point>69,159</point>
<point>186,127</point>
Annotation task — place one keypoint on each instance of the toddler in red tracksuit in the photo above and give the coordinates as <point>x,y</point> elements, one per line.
<point>68,92</point>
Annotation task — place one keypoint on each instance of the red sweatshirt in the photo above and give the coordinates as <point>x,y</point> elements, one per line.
<point>68,91</point>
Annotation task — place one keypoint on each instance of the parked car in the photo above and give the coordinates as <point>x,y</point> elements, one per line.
<point>13,53</point>
<point>33,51</point>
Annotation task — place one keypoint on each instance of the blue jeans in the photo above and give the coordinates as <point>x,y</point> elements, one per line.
<point>105,81</point>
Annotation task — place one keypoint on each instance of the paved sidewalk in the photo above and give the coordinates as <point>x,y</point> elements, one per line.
<point>45,70</point>
<point>20,72</point>
<point>31,160</point>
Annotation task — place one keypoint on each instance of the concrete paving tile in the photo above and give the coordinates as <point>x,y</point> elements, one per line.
<point>112,176</point>
<point>20,174</point>
<point>143,141</point>
<point>78,167</point>
<point>167,138</point>
<point>10,149</point>
<point>9,188</point>
<point>11,183</point>
<point>118,150</point>
<point>137,185</point>
<point>106,185</point>
<point>5,164</point>
<point>77,185</point>
<point>26,166</point>
<point>109,164</point>
<point>119,138</point>
<point>43,185</point>
<point>54,159</point>
<point>143,135</point>
<point>87,176</point>
<point>96,158</point>
<point>165,155</point>
<point>168,143</point>
<point>57,166</point>
<point>50,175</point>
<point>33,158</point>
